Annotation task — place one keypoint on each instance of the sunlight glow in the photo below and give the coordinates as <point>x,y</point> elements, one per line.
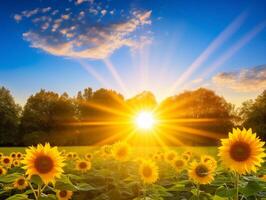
<point>145,120</point>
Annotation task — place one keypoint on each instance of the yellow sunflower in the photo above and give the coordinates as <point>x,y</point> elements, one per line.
<point>210,159</point>
<point>19,155</point>
<point>179,164</point>
<point>44,161</point>
<point>64,194</point>
<point>201,173</point>
<point>2,171</point>
<point>83,165</point>
<point>6,161</point>
<point>13,155</point>
<point>242,152</point>
<point>187,155</point>
<point>170,156</point>
<point>121,151</point>
<point>88,156</point>
<point>74,155</point>
<point>1,156</point>
<point>21,183</point>
<point>16,163</point>
<point>69,155</point>
<point>148,171</point>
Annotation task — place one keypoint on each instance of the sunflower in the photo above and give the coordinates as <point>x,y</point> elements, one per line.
<point>69,155</point>
<point>83,165</point>
<point>2,171</point>
<point>262,177</point>
<point>21,183</point>
<point>19,155</point>
<point>242,152</point>
<point>187,155</point>
<point>44,161</point>
<point>106,151</point>
<point>13,155</point>
<point>74,155</point>
<point>179,164</point>
<point>88,156</point>
<point>207,158</point>
<point>201,173</point>
<point>16,163</point>
<point>170,156</point>
<point>121,151</point>
<point>148,171</point>
<point>64,194</point>
<point>1,156</point>
<point>6,161</point>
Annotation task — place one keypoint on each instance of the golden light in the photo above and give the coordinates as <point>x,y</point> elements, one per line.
<point>145,120</point>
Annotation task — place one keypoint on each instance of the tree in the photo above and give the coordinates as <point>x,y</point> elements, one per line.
<point>254,115</point>
<point>212,114</point>
<point>9,118</point>
<point>47,114</point>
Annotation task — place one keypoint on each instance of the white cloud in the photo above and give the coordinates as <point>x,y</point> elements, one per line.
<point>17,17</point>
<point>93,41</point>
<point>93,11</point>
<point>30,13</point>
<point>103,12</point>
<point>244,80</point>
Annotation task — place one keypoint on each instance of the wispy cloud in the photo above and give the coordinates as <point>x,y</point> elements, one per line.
<point>82,33</point>
<point>243,80</point>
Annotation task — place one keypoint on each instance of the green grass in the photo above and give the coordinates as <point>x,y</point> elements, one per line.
<point>211,150</point>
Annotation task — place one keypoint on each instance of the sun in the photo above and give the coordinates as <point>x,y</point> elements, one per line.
<point>145,120</point>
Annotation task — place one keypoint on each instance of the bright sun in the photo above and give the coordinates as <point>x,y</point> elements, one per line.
<point>145,120</point>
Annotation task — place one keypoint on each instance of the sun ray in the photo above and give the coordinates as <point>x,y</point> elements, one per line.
<point>94,73</point>
<point>116,76</point>
<point>217,42</point>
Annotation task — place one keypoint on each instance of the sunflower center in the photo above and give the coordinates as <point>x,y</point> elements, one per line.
<point>240,151</point>
<point>122,152</point>
<point>201,171</point>
<point>6,160</point>
<point>147,172</point>
<point>179,163</point>
<point>21,181</point>
<point>63,193</point>
<point>82,165</point>
<point>43,164</point>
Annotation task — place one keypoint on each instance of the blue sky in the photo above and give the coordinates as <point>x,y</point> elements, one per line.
<point>130,46</point>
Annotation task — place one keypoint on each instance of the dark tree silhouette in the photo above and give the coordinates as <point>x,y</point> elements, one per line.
<point>9,118</point>
<point>253,114</point>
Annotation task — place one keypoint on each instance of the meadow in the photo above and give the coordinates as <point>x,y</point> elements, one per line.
<point>124,172</point>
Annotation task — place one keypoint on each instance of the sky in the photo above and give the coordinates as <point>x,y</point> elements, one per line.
<point>163,46</point>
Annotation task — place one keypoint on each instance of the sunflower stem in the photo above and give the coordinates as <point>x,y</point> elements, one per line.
<point>198,191</point>
<point>34,192</point>
<point>236,185</point>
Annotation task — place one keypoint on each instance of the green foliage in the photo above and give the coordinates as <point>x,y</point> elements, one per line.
<point>254,115</point>
<point>9,118</point>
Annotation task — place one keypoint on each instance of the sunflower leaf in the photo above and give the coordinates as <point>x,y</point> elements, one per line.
<point>18,197</point>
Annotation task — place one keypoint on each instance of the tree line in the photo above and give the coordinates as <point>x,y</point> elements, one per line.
<point>92,116</point>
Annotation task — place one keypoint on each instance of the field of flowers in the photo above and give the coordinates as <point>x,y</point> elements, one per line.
<point>235,170</point>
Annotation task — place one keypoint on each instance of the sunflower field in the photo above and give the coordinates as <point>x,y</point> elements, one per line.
<point>235,170</point>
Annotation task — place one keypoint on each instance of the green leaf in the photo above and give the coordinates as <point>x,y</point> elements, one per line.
<point>65,184</point>
<point>219,198</point>
<point>84,187</point>
<point>36,180</point>
<point>177,187</point>
<point>251,189</point>
<point>224,192</point>
<point>18,197</point>
<point>48,197</point>
<point>10,178</point>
